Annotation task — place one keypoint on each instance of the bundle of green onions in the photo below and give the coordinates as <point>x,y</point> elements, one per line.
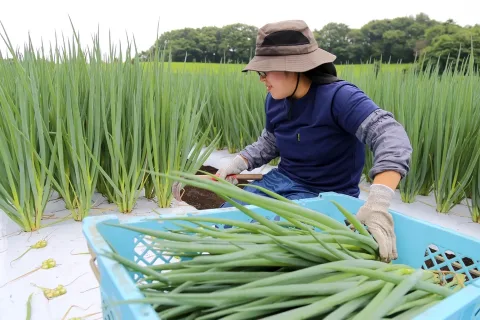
<point>304,266</point>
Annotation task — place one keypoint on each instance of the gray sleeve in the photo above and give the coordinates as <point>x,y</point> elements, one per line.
<point>388,141</point>
<point>262,151</point>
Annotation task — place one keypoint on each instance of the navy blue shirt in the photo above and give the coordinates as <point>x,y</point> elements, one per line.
<point>316,136</point>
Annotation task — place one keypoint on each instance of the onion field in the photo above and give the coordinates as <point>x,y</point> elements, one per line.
<point>77,122</point>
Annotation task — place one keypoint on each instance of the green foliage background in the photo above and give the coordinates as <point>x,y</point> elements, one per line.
<point>398,40</point>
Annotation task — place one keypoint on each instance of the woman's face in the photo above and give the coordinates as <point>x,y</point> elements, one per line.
<point>280,84</point>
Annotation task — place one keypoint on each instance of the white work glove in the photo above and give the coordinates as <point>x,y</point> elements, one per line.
<point>374,214</point>
<point>236,166</point>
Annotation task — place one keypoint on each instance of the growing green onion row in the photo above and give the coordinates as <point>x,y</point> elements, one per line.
<point>275,270</point>
<point>75,122</point>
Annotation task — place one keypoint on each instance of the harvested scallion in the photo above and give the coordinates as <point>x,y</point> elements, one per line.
<point>273,270</point>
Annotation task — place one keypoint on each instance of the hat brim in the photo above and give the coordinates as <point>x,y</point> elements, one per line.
<point>291,63</point>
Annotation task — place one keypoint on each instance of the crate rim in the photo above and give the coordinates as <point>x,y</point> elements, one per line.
<point>300,202</point>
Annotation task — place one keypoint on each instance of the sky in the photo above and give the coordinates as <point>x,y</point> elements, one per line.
<point>140,19</point>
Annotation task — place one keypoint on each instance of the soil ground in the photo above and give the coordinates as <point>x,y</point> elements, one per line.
<point>200,198</point>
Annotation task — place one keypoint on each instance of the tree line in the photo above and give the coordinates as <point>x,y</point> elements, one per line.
<point>401,39</point>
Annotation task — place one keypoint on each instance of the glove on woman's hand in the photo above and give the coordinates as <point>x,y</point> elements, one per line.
<point>236,166</point>
<point>374,214</point>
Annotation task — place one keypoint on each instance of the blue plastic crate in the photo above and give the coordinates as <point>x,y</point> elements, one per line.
<point>419,244</point>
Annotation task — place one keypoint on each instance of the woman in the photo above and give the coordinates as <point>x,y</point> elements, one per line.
<point>319,125</point>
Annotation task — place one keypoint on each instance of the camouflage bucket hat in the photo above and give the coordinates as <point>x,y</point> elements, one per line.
<point>287,46</point>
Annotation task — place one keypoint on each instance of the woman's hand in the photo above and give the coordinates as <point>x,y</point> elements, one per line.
<point>374,214</point>
<point>236,166</point>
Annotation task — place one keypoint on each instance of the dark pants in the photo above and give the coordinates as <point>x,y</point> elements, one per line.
<point>280,184</point>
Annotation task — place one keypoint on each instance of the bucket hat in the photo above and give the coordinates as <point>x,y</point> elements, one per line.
<point>287,45</point>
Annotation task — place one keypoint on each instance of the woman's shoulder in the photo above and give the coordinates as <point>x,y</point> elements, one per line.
<point>340,91</point>
<point>343,86</point>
